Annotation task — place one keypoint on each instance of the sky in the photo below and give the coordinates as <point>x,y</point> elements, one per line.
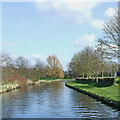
<point>39,29</point>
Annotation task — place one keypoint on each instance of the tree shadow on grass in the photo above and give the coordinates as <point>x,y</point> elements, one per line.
<point>88,84</point>
<point>86,87</point>
<point>118,82</point>
<point>93,84</point>
<point>84,82</point>
<point>102,85</point>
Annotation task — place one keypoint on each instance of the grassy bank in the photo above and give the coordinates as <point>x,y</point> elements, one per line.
<point>13,86</point>
<point>109,92</point>
<point>8,87</point>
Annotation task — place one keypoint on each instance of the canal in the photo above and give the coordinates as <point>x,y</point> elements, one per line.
<point>52,100</point>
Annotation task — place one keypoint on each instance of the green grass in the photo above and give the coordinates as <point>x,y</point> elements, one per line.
<point>117,80</point>
<point>50,79</point>
<point>47,79</point>
<point>110,92</point>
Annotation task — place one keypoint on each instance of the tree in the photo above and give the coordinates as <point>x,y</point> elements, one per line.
<point>76,66</point>
<point>7,67</point>
<point>111,37</point>
<point>85,63</point>
<point>103,53</point>
<point>40,69</point>
<point>110,68</point>
<point>113,68</point>
<point>54,67</point>
<point>66,74</point>
<point>22,64</point>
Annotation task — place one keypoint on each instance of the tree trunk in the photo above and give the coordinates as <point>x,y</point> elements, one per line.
<point>118,72</point>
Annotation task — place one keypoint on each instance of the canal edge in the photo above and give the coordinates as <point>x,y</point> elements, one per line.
<point>28,84</point>
<point>111,103</point>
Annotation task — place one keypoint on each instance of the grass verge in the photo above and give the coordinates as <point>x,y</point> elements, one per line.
<point>109,92</point>
<point>117,80</point>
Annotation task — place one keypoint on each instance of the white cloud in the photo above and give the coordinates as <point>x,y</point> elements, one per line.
<point>85,40</point>
<point>41,57</point>
<point>110,12</point>
<point>79,11</point>
<point>6,43</point>
<point>99,24</point>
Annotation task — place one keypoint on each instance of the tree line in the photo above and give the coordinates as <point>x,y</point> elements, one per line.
<point>100,61</point>
<point>20,69</point>
<point>89,63</point>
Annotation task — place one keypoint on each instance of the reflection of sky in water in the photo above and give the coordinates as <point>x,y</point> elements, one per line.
<point>52,100</point>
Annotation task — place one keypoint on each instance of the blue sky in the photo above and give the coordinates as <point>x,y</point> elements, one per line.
<point>37,30</point>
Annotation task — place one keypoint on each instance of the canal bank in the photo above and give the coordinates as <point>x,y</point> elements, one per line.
<point>93,92</point>
<point>13,86</point>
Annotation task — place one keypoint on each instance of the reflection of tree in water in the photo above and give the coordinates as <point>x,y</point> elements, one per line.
<point>16,98</point>
<point>20,101</point>
<point>17,101</point>
<point>39,93</point>
<point>56,93</point>
<point>84,104</point>
<point>82,100</point>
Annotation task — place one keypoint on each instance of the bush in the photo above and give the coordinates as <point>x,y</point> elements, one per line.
<point>117,80</point>
<point>21,80</point>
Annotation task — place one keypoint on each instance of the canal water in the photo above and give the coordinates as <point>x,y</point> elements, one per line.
<point>52,100</point>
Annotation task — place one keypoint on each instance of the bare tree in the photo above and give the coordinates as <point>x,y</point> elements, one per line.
<point>22,65</point>
<point>111,36</point>
<point>7,67</point>
<point>85,63</point>
<point>103,52</point>
<point>40,69</point>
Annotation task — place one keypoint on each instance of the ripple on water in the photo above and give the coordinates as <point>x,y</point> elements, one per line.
<point>53,100</point>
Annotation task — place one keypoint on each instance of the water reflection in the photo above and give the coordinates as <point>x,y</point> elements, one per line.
<point>90,107</point>
<point>52,100</point>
